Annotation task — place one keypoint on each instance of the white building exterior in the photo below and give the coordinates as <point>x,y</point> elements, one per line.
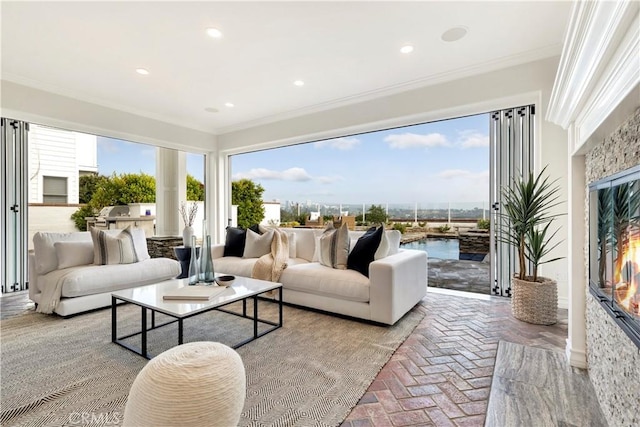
<point>271,213</point>
<point>57,158</point>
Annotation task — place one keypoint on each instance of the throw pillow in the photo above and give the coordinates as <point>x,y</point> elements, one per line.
<point>292,245</point>
<point>234,243</point>
<point>257,229</point>
<point>334,247</point>
<point>383,247</point>
<point>118,249</point>
<point>364,251</point>
<point>72,254</point>
<point>256,244</point>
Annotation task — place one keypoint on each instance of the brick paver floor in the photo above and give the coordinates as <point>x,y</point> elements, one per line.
<point>441,375</point>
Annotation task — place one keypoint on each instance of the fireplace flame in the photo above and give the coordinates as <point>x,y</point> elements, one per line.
<point>630,276</point>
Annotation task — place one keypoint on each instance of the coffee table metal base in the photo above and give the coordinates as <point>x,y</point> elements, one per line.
<point>145,327</point>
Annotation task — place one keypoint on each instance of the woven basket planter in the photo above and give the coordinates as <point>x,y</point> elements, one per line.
<point>535,302</point>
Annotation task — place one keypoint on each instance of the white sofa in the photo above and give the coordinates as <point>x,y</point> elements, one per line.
<point>395,284</point>
<point>66,260</point>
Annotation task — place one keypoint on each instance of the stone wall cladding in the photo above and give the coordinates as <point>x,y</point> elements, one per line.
<point>613,359</point>
<point>162,247</point>
<point>474,243</point>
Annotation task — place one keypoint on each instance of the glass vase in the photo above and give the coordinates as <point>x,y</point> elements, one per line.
<point>206,262</point>
<point>194,265</point>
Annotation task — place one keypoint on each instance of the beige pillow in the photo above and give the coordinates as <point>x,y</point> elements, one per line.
<point>334,247</point>
<point>383,247</point>
<point>72,254</point>
<point>257,245</point>
<point>292,244</point>
<point>118,249</point>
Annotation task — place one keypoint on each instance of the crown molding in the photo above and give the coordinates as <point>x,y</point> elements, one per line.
<point>600,40</point>
<point>82,96</point>
<point>486,67</point>
<point>618,80</point>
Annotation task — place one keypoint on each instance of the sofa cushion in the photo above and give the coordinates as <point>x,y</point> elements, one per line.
<point>318,279</point>
<point>234,242</point>
<point>334,247</point>
<point>236,266</point>
<point>72,254</point>
<point>95,279</point>
<point>109,249</point>
<point>291,237</point>
<point>46,259</point>
<point>257,245</point>
<point>364,251</point>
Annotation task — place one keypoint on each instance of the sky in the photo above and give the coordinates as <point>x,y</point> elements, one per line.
<point>434,163</point>
<point>431,164</point>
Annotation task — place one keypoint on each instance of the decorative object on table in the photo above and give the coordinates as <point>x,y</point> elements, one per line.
<point>205,383</point>
<point>225,280</point>
<point>183,255</point>
<point>194,270</point>
<point>206,262</point>
<point>527,218</point>
<point>188,214</point>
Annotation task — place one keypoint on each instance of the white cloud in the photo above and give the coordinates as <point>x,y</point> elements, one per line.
<point>410,140</point>
<point>291,174</point>
<point>338,143</point>
<point>464,174</point>
<point>473,139</point>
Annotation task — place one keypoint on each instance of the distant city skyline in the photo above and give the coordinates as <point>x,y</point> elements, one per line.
<point>434,165</point>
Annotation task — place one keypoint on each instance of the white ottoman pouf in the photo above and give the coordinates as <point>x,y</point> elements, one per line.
<point>194,384</point>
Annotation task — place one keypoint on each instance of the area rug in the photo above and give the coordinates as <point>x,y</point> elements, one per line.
<point>310,372</point>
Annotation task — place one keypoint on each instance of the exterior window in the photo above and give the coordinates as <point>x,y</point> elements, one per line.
<point>54,189</point>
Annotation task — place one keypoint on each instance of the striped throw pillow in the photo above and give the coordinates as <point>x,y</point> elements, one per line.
<point>334,247</point>
<point>118,249</point>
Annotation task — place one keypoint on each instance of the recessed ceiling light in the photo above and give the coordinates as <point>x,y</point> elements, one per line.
<point>214,32</point>
<point>229,104</point>
<point>298,83</point>
<point>142,71</point>
<point>211,110</point>
<point>406,49</point>
<point>454,34</point>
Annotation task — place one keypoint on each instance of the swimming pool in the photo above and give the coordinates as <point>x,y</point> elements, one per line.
<point>437,248</point>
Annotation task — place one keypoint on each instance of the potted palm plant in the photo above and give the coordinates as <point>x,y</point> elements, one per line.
<point>526,226</point>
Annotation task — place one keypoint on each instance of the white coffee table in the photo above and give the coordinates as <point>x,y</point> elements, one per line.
<point>150,298</point>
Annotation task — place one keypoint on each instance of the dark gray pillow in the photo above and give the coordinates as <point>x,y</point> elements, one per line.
<point>364,251</point>
<point>234,243</point>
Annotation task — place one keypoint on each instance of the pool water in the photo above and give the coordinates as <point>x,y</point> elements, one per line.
<point>436,248</point>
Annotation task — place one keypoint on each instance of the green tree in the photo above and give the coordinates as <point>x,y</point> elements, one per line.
<point>195,189</point>
<point>377,215</point>
<point>116,190</point>
<point>78,217</point>
<point>125,188</point>
<point>247,195</point>
<point>88,185</point>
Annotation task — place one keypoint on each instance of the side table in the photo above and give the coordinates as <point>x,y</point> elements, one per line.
<point>183,254</point>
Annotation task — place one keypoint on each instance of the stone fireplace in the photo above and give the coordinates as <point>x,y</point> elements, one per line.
<point>613,354</point>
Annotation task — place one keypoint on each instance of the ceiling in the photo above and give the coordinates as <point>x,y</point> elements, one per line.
<point>343,51</point>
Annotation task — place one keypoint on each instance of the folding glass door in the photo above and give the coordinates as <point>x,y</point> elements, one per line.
<point>511,139</point>
<point>14,236</point>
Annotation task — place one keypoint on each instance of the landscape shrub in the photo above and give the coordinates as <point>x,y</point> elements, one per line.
<point>444,228</point>
<point>400,227</point>
<point>483,224</point>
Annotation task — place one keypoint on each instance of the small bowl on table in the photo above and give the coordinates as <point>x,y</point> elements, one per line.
<point>225,280</point>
